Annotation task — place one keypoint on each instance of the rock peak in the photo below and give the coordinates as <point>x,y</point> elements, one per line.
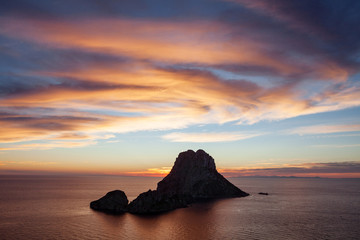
<point>195,174</point>
<point>190,159</point>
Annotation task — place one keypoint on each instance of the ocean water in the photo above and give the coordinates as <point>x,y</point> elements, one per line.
<point>57,207</point>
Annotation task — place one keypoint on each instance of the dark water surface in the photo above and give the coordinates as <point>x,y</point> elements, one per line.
<point>58,208</point>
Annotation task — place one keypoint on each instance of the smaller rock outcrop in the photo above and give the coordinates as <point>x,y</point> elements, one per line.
<point>151,202</point>
<point>263,193</point>
<point>113,202</point>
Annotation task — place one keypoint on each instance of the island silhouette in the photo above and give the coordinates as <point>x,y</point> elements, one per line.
<point>193,178</point>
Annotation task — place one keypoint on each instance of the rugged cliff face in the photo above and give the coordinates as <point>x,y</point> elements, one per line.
<point>194,174</point>
<point>193,178</point>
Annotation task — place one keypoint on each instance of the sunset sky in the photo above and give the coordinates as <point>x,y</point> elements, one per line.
<point>267,88</point>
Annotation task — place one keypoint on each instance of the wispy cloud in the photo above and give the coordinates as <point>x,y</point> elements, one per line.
<point>325,129</point>
<point>48,145</point>
<point>332,169</point>
<point>209,137</point>
<point>26,163</point>
<point>75,78</point>
<point>337,146</point>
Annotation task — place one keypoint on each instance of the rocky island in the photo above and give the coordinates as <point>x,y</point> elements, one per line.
<point>193,178</point>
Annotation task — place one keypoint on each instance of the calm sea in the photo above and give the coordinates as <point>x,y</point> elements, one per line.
<point>58,208</point>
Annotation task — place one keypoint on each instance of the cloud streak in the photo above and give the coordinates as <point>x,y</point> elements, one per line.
<point>151,172</point>
<point>209,137</point>
<point>333,169</point>
<point>48,145</point>
<point>325,129</point>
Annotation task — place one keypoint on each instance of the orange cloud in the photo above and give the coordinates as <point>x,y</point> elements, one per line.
<point>186,42</point>
<point>180,99</point>
<point>205,42</point>
<point>155,88</point>
<point>151,172</point>
<point>49,145</point>
<point>34,163</point>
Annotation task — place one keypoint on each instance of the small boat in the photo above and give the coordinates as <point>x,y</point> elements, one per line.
<point>263,193</point>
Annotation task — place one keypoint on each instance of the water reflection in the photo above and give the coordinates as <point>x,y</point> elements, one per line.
<point>110,221</point>
<point>198,221</point>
